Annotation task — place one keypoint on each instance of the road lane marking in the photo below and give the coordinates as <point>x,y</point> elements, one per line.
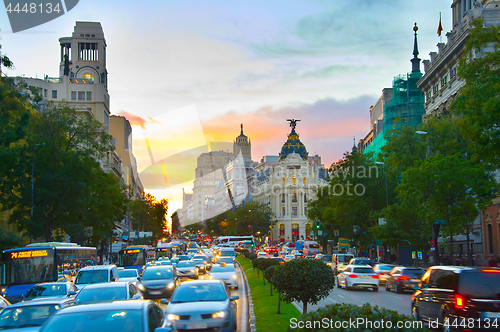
<point>340,295</point>
<point>398,297</point>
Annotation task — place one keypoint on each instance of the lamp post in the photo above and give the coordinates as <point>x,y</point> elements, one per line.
<point>436,225</point>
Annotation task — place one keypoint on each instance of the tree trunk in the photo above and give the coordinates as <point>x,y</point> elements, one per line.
<point>304,307</point>
<point>263,279</point>
<point>270,284</point>
<point>279,303</point>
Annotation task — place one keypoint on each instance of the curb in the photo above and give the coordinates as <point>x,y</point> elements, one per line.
<point>251,315</point>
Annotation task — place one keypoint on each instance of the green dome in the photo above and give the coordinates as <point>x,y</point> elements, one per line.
<point>293,145</point>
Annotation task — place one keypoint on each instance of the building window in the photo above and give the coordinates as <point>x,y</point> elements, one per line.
<point>81,95</point>
<point>54,94</point>
<point>294,199</point>
<point>294,211</point>
<point>435,89</point>
<point>490,239</point>
<point>444,80</point>
<point>428,95</point>
<point>304,180</point>
<point>283,181</point>
<point>89,77</point>
<point>282,198</point>
<point>73,95</point>
<point>283,211</point>
<point>294,180</point>
<point>45,93</point>
<point>453,72</point>
<point>89,96</point>
<point>282,230</point>
<point>305,197</point>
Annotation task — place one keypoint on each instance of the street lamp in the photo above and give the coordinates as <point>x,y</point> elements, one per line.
<point>386,187</point>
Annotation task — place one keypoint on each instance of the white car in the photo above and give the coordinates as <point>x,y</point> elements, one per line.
<point>131,275</point>
<point>358,276</point>
<point>261,254</point>
<point>226,273</point>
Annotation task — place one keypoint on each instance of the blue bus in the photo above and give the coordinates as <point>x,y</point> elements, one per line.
<point>22,268</point>
<point>136,257</point>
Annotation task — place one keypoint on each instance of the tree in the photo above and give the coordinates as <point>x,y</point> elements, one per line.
<point>156,215</point>
<point>304,280</point>
<point>264,264</point>
<point>478,100</point>
<point>448,188</point>
<point>4,61</point>
<point>269,275</point>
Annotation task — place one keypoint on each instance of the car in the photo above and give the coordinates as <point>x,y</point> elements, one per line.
<point>226,273</point>
<point>340,261</point>
<point>201,265</point>
<point>227,260</point>
<point>203,305</point>
<point>164,262</point>
<point>288,258</point>
<point>96,274</point>
<point>310,257</point>
<point>279,259</point>
<point>30,315</point>
<point>361,261</point>
<point>402,279</point>
<point>187,269</point>
<point>3,302</point>
<point>325,258</point>
<point>108,291</point>
<point>51,289</point>
<point>206,259</point>
<point>120,316</point>
<point>261,254</point>
<point>383,271</point>
<point>158,282</point>
<point>174,261</point>
<point>209,254</point>
<point>183,257</point>
<point>358,276</point>
<point>459,297</point>
<point>131,275</point>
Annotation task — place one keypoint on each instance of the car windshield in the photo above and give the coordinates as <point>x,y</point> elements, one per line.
<point>153,274</point>
<point>46,290</point>
<point>220,268</point>
<point>97,321</point>
<point>88,295</point>
<point>186,264</point>
<point>480,285</point>
<point>362,270</point>
<point>345,259</point>
<point>385,267</point>
<point>127,274</point>
<point>198,261</point>
<point>93,276</point>
<point>13,318</point>
<point>225,260</point>
<point>326,258</point>
<point>413,273</point>
<point>199,292</point>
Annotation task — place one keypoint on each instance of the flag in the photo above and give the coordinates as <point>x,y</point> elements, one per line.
<point>440,27</point>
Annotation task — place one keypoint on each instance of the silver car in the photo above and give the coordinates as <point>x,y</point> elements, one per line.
<point>226,273</point>
<point>203,305</point>
<point>108,291</point>
<point>187,269</point>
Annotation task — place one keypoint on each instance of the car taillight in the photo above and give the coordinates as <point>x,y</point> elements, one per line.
<point>381,273</point>
<point>352,276</point>
<point>375,276</point>
<point>459,302</point>
<point>401,278</point>
<point>491,270</point>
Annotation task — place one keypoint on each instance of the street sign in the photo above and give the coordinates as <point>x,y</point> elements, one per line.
<point>433,244</point>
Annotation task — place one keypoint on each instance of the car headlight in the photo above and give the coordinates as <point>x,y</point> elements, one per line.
<point>170,285</point>
<point>172,317</point>
<point>234,276</point>
<point>3,289</point>
<point>193,271</point>
<point>219,314</point>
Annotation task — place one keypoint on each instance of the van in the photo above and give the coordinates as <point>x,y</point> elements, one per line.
<point>96,274</point>
<point>340,261</point>
<point>227,251</point>
<point>311,248</point>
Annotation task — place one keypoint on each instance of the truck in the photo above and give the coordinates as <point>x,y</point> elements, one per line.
<point>299,245</point>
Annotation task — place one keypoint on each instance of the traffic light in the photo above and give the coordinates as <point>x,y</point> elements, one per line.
<point>252,245</point>
<point>249,226</point>
<point>318,226</point>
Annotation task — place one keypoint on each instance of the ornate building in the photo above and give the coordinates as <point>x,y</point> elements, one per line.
<point>288,187</point>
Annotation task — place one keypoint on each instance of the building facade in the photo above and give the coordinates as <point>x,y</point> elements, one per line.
<point>288,187</point>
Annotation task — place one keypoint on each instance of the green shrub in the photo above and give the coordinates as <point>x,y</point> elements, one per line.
<point>374,319</point>
<point>252,256</point>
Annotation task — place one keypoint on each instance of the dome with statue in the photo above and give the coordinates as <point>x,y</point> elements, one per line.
<point>293,144</point>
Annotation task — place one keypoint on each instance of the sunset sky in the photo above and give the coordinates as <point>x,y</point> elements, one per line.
<point>188,73</point>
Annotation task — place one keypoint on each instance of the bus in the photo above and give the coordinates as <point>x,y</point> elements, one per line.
<point>164,250</point>
<point>232,240</point>
<point>136,257</point>
<point>22,268</point>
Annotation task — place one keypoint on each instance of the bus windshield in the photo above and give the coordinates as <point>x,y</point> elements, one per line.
<point>132,257</point>
<point>29,266</point>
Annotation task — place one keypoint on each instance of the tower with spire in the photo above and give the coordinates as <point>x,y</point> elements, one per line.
<point>243,145</point>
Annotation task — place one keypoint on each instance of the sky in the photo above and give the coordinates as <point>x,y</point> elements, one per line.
<point>188,73</point>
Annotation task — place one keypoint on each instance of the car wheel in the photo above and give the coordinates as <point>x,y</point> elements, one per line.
<point>398,289</point>
<point>387,287</point>
<point>375,289</point>
<point>338,284</point>
<point>414,313</point>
